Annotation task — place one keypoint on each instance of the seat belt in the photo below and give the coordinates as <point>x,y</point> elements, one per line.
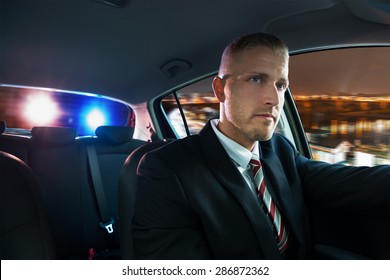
<point>106,221</point>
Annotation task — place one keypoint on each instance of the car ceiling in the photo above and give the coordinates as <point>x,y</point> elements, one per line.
<point>147,47</point>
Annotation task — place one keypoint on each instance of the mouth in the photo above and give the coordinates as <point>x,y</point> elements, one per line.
<point>266,116</point>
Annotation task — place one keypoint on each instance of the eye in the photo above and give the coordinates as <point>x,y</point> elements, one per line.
<point>281,86</point>
<point>256,79</point>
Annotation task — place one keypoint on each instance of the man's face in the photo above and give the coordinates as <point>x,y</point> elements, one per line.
<point>251,93</point>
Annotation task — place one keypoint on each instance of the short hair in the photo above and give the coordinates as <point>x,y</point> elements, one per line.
<point>240,44</point>
<point>254,40</point>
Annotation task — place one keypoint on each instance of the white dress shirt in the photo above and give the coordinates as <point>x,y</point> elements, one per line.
<point>240,155</point>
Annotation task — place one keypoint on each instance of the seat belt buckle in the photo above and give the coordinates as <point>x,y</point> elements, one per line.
<point>108,225</point>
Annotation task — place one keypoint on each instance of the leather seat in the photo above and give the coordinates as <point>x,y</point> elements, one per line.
<point>24,226</point>
<point>127,194</point>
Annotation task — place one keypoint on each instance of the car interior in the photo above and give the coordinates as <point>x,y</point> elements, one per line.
<point>68,193</point>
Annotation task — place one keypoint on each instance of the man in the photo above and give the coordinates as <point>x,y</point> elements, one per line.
<point>237,190</point>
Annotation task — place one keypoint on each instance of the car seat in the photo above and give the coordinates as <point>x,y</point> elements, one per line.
<point>24,225</point>
<point>127,194</point>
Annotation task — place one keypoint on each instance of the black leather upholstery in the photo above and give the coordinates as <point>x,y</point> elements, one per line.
<point>59,160</point>
<point>127,194</point>
<point>115,134</point>
<point>24,225</point>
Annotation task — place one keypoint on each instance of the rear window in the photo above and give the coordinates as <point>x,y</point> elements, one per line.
<point>26,107</point>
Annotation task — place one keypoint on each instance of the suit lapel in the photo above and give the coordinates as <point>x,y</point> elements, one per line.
<point>226,172</point>
<point>280,191</point>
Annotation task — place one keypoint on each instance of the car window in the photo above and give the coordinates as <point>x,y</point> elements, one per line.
<point>198,104</point>
<point>26,107</point>
<point>343,98</point>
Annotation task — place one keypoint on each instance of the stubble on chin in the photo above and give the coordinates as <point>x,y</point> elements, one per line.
<point>261,133</point>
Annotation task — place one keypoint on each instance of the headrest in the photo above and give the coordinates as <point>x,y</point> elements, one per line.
<point>3,126</point>
<point>115,134</point>
<point>53,134</point>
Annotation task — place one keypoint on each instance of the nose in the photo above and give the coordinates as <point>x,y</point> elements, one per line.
<point>272,96</point>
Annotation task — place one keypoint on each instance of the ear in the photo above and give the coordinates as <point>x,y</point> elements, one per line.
<point>218,88</point>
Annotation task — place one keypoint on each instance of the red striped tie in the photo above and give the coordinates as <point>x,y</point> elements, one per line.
<point>269,206</point>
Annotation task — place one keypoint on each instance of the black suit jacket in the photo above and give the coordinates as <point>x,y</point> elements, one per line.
<point>192,203</point>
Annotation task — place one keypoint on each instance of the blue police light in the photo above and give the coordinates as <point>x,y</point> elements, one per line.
<point>95,118</point>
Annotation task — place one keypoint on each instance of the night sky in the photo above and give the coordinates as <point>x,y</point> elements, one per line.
<point>358,71</point>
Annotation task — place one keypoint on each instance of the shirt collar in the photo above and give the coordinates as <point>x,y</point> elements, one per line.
<point>236,152</point>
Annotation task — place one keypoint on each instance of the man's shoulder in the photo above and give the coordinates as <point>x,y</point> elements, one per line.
<point>279,145</point>
<point>177,147</point>
<point>278,139</point>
